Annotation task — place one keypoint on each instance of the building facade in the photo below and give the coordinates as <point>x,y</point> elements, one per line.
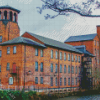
<point>91,41</point>
<point>35,61</point>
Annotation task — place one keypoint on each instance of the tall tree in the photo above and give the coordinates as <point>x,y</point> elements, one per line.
<point>64,7</point>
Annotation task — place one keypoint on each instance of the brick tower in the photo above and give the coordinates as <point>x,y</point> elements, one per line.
<point>9,28</point>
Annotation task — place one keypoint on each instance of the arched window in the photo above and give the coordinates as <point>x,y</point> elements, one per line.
<point>14,17</point>
<point>10,16</point>
<point>10,80</point>
<point>5,14</point>
<point>0,14</point>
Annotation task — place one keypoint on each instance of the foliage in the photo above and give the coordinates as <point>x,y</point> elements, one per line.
<point>63,7</point>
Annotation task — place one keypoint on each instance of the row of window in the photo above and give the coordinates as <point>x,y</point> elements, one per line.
<point>70,69</point>
<point>36,80</point>
<point>8,50</point>
<point>56,81</point>
<point>95,43</point>
<point>72,56</point>
<point>51,81</point>
<point>36,52</point>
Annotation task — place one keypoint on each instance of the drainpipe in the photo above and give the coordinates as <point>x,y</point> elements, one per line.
<point>58,68</point>
<point>24,64</point>
<point>71,70</point>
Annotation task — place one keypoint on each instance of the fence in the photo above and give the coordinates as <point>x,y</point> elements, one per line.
<point>38,89</point>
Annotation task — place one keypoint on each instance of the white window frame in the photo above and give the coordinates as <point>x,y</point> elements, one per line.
<point>56,54</point>
<point>8,66</point>
<point>36,52</point>
<point>42,53</point>
<point>76,58</point>
<point>0,53</point>
<point>8,50</point>
<point>14,49</point>
<point>51,53</point>
<point>0,38</point>
<point>72,57</point>
<point>64,56</point>
<point>10,80</point>
<point>60,55</point>
<point>68,57</point>
<point>79,59</point>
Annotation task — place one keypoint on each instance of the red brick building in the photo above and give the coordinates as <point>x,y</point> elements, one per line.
<point>31,60</point>
<point>91,41</point>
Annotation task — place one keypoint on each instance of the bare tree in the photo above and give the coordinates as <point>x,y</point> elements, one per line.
<point>63,7</point>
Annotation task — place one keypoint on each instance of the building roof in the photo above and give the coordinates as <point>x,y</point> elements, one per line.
<point>81,38</point>
<point>9,7</point>
<point>22,40</point>
<point>54,43</point>
<point>82,48</point>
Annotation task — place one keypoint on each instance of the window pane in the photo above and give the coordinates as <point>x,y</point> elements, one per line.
<point>64,81</point>
<point>14,49</point>
<point>76,58</point>
<point>68,81</point>
<point>41,53</point>
<point>51,67</point>
<point>76,81</point>
<point>8,50</point>
<point>0,38</point>
<point>56,54</point>
<point>60,68</point>
<point>36,66</point>
<point>64,56</point>
<point>60,81</point>
<point>68,57</point>
<point>51,81</point>
<point>41,69</point>
<point>8,66</point>
<point>51,53</point>
<point>76,70</point>
<point>56,81</point>
<point>79,59</point>
<point>36,80</point>
<point>41,80</point>
<point>36,52</point>
<point>72,69</point>
<point>0,68</point>
<point>11,80</point>
<point>72,57</point>
<point>60,55</point>
<point>72,81</point>
<point>56,68</point>
<point>68,69</point>
<point>64,68</point>
<point>0,53</point>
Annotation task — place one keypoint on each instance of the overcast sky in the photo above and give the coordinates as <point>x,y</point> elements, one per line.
<point>59,28</point>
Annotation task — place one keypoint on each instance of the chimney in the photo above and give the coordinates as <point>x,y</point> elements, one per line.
<point>98,31</point>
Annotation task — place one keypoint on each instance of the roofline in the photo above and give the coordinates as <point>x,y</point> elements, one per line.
<point>64,49</point>
<point>22,43</point>
<point>8,7</point>
<point>78,41</point>
<point>79,35</point>
<point>51,45</point>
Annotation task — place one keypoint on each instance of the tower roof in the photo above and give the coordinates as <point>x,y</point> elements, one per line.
<point>54,43</point>
<point>9,7</point>
<point>81,38</point>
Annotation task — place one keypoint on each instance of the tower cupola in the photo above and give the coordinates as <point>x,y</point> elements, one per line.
<point>9,13</point>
